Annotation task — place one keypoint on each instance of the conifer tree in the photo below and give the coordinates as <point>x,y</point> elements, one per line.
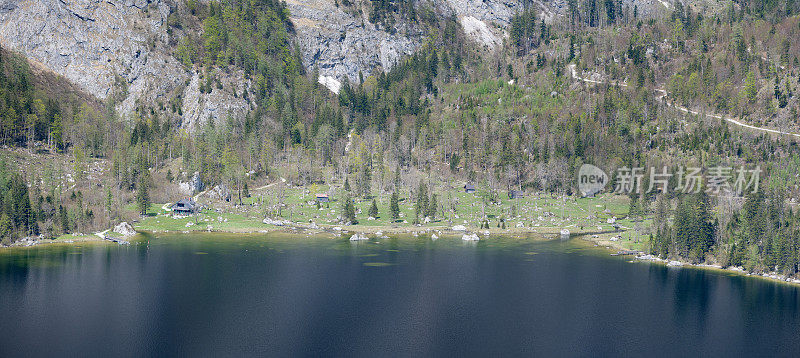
<point>394,206</point>
<point>349,210</point>
<point>143,193</point>
<point>373,210</point>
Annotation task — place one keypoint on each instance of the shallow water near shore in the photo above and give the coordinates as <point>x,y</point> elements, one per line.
<point>278,295</point>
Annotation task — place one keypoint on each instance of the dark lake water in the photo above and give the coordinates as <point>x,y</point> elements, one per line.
<point>259,296</point>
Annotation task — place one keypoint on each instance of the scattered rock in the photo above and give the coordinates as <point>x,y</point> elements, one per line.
<point>459,228</point>
<point>277,222</point>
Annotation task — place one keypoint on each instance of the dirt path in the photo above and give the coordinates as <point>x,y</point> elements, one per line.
<point>663,93</point>
<point>102,234</point>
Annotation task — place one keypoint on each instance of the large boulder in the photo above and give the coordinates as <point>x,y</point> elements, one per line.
<point>124,229</point>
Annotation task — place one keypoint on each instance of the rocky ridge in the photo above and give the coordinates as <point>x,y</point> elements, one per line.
<point>113,48</point>
<point>122,49</point>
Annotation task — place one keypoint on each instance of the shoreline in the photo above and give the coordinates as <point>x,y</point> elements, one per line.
<point>612,246</point>
<point>600,240</point>
<point>67,240</point>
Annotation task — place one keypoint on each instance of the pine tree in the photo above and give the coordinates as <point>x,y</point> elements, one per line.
<point>143,193</point>
<point>659,244</point>
<point>64,219</point>
<point>109,203</point>
<point>6,229</point>
<point>394,206</point>
<point>421,206</point>
<point>694,229</point>
<point>364,184</point>
<point>373,210</point>
<point>349,211</point>
<point>431,209</point>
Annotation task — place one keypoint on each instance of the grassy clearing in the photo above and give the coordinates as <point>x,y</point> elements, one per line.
<point>534,213</point>
<point>207,220</point>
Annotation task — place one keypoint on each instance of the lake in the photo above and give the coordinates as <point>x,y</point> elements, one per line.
<point>222,295</point>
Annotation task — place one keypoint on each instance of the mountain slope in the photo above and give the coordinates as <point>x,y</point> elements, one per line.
<point>115,50</point>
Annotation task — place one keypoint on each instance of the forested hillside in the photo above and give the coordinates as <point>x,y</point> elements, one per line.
<point>43,113</point>
<point>519,117</point>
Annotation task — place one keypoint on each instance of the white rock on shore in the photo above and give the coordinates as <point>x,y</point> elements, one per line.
<point>470,237</point>
<point>459,228</point>
<point>358,237</point>
<point>124,229</point>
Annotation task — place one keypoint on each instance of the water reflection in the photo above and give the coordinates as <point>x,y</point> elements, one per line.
<point>257,295</point>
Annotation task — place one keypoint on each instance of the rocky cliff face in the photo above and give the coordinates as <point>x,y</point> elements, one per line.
<point>112,46</point>
<point>341,41</point>
<point>121,48</point>
<point>340,45</point>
